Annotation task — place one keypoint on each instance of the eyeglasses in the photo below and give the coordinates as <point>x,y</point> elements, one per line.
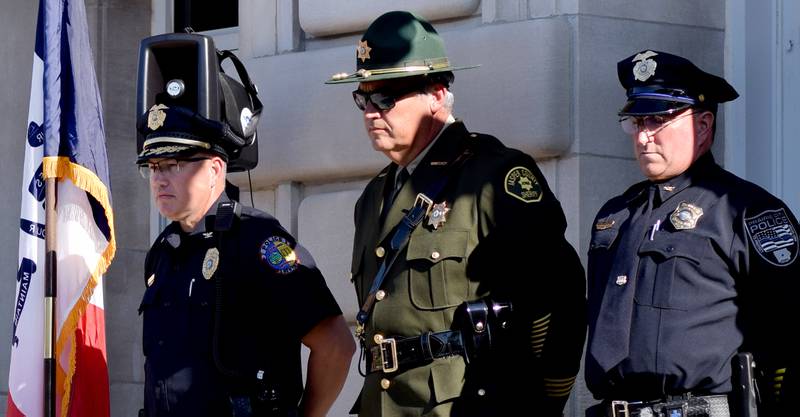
<point>385,99</point>
<point>167,167</point>
<point>651,125</point>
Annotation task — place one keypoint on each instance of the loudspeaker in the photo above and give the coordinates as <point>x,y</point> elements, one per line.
<point>189,66</point>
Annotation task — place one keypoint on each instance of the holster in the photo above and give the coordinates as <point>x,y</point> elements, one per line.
<point>482,323</point>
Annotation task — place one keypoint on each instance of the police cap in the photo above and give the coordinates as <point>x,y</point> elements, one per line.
<point>663,83</point>
<point>399,44</point>
<point>176,131</point>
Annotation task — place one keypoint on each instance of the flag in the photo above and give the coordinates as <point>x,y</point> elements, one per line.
<point>65,141</point>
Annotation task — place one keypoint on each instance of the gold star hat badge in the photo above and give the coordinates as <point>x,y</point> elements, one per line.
<point>362,51</point>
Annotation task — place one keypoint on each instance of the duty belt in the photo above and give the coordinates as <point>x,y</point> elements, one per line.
<point>688,406</point>
<point>393,354</point>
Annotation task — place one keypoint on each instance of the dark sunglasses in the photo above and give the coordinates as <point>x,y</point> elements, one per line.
<point>383,99</point>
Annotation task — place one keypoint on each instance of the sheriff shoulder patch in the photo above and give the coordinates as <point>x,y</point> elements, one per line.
<point>279,255</point>
<point>773,236</point>
<point>521,184</point>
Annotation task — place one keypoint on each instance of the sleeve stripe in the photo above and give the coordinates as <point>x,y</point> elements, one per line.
<point>559,380</point>
<point>546,317</point>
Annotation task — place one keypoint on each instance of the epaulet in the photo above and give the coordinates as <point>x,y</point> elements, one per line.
<point>634,190</point>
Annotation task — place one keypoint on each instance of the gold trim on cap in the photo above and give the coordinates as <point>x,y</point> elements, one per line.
<point>190,142</point>
<point>362,73</point>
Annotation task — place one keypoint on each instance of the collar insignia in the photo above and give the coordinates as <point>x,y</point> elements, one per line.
<point>174,240</point>
<point>438,213</point>
<point>604,224</point>
<point>210,263</point>
<point>156,116</point>
<point>363,50</point>
<point>208,235</point>
<point>685,216</point>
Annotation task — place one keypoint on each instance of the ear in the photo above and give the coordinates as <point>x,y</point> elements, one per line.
<point>437,96</point>
<point>216,170</point>
<point>704,130</point>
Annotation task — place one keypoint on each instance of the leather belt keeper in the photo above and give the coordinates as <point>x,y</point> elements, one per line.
<point>394,354</point>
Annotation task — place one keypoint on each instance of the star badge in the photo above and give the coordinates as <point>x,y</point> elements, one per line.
<point>438,213</point>
<point>363,50</point>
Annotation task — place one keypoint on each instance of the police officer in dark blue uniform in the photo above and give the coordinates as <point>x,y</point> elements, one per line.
<point>230,295</point>
<point>689,268</point>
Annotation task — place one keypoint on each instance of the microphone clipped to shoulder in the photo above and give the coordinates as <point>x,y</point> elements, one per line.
<point>227,211</point>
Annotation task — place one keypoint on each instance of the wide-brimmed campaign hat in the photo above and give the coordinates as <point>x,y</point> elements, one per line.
<point>398,44</point>
<point>662,83</point>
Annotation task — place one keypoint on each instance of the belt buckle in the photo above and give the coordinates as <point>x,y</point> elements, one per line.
<point>390,345</point>
<point>423,201</point>
<point>619,409</point>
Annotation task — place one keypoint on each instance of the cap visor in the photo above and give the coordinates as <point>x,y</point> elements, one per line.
<point>649,107</point>
<point>167,151</point>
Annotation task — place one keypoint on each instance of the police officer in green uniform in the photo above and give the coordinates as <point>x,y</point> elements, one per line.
<point>690,269</point>
<point>230,295</point>
<point>455,218</point>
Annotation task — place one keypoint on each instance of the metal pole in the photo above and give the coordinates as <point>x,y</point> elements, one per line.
<point>50,286</point>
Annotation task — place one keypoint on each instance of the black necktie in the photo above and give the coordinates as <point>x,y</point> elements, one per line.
<point>611,337</point>
<point>400,179</point>
<point>402,176</point>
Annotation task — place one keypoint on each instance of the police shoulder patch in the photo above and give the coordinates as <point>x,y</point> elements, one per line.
<point>279,255</point>
<point>521,184</point>
<point>773,236</point>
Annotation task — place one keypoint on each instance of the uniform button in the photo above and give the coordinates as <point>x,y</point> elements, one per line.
<point>380,251</point>
<point>378,338</point>
<point>435,255</point>
<point>380,295</point>
<point>385,383</point>
<point>481,392</point>
<point>161,343</point>
<point>167,303</point>
<point>670,248</point>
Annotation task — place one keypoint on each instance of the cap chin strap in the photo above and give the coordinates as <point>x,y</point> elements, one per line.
<point>662,97</point>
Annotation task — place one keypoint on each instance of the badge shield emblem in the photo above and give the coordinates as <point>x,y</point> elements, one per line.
<point>210,263</point>
<point>685,216</point>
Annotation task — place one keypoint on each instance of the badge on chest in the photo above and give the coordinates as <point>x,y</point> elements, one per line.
<point>210,263</point>
<point>685,216</point>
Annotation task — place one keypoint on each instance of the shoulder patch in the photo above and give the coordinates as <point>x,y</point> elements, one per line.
<point>773,236</point>
<point>521,184</point>
<point>279,255</point>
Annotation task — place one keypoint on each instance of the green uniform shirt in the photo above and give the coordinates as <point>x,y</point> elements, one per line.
<point>503,236</point>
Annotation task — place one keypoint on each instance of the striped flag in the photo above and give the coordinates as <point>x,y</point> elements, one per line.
<point>65,141</point>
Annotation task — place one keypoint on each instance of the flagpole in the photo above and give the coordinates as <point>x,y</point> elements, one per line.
<point>50,286</point>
